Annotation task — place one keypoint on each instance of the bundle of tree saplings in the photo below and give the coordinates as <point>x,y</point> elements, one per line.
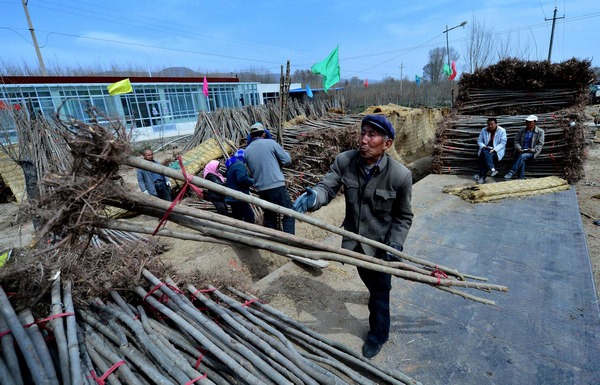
<point>455,150</point>
<point>313,146</point>
<point>77,195</point>
<point>165,334</point>
<point>40,149</point>
<point>234,123</point>
<point>520,87</point>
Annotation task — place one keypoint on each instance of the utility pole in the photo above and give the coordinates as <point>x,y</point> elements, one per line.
<point>552,33</point>
<point>35,43</point>
<point>448,52</point>
<point>401,67</point>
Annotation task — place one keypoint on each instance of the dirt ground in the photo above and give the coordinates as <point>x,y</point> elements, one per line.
<point>255,265</point>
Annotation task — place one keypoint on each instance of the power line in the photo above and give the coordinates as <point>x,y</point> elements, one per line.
<point>398,53</point>
<point>544,12</point>
<point>165,26</point>
<point>158,47</point>
<point>11,29</point>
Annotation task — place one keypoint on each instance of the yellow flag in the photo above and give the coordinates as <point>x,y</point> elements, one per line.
<point>4,258</point>
<point>120,87</point>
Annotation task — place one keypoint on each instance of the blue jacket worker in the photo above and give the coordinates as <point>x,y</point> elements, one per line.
<point>265,158</point>
<point>378,192</point>
<point>492,143</point>
<point>152,183</point>
<point>528,144</point>
<point>238,179</point>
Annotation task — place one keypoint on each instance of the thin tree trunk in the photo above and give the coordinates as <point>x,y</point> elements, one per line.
<point>73,345</point>
<point>59,331</point>
<point>10,356</point>
<point>36,368</point>
<point>38,340</point>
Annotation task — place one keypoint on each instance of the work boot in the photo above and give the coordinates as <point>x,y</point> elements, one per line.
<point>370,349</point>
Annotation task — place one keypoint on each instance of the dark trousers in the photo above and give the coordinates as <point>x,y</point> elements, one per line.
<point>379,286</point>
<point>242,211</point>
<point>279,196</point>
<point>162,190</point>
<point>221,207</point>
<point>486,162</point>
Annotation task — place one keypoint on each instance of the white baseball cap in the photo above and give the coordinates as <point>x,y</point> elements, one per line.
<point>531,118</point>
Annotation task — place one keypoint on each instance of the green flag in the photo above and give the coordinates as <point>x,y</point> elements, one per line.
<point>120,87</point>
<point>329,69</point>
<point>447,70</point>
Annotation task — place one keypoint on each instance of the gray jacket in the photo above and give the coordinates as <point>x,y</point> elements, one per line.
<point>378,209</point>
<point>264,158</point>
<point>537,141</point>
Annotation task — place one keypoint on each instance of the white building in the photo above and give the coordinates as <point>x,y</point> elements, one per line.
<point>157,107</point>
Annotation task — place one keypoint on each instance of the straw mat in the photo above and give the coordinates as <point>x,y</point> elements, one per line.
<point>509,189</point>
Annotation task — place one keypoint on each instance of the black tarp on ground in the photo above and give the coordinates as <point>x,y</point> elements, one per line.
<point>545,330</point>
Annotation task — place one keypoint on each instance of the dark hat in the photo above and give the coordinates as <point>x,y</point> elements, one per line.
<point>256,128</point>
<point>380,123</point>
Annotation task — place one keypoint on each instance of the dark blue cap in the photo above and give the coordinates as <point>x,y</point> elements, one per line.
<point>380,123</point>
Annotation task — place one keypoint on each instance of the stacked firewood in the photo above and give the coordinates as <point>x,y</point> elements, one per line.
<point>313,145</point>
<point>168,337</point>
<point>509,91</point>
<point>40,149</point>
<point>234,123</point>
<point>455,151</point>
<point>514,86</point>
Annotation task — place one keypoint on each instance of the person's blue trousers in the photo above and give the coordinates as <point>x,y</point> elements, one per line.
<point>486,162</point>
<point>519,164</point>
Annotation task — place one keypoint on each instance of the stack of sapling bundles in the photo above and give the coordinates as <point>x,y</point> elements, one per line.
<point>509,91</point>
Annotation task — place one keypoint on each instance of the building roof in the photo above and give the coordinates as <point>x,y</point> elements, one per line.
<point>9,80</point>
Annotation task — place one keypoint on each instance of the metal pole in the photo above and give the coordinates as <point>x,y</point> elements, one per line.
<point>35,43</point>
<point>448,52</point>
<point>447,45</point>
<point>552,33</point>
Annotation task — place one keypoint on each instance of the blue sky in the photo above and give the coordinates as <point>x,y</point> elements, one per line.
<point>375,37</point>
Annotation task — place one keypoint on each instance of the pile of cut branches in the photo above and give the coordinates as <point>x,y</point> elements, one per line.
<point>518,87</point>
<point>234,123</point>
<point>28,272</point>
<point>313,146</point>
<point>455,150</point>
<point>161,335</point>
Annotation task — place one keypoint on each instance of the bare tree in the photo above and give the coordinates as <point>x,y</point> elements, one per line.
<point>258,75</point>
<point>307,77</point>
<point>507,47</point>
<point>433,71</point>
<point>480,46</point>
<point>355,80</point>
